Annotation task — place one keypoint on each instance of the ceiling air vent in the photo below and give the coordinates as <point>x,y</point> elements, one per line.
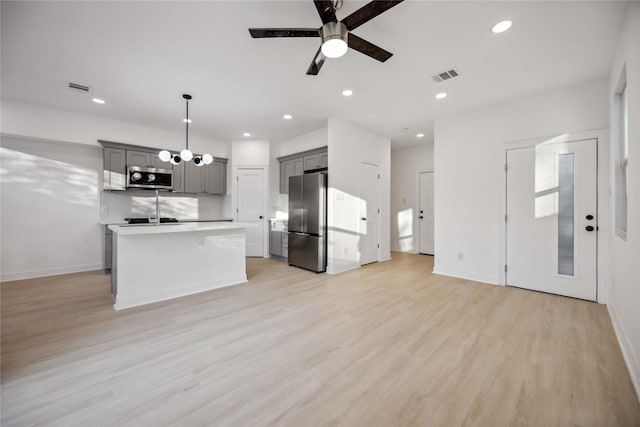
<point>445,75</point>
<point>78,87</point>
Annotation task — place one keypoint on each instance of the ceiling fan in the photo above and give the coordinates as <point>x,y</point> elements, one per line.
<point>336,35</point>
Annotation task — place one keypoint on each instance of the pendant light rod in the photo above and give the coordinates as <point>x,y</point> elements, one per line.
<point>187,97</point>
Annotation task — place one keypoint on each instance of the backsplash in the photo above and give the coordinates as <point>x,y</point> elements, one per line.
<point>116,205</point>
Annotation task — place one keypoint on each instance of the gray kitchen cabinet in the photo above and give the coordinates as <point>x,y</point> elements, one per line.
<point>286,170</point>
<point>216,178</point>
<point>108,249</point>
<point>324,160</point>
<point>285,245</point>
<point>319,160</point>
<point>138,158</point>
<point>289,168</point>
<point>178,178</point>
<point>311,162</point>
<point>275,242</point>
<point>155,162</point>
<point>299,163</point>
<point>146,159</point>
<point>193,178</point>
<point>115,164</point>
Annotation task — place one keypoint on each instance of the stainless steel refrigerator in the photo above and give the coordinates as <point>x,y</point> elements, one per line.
<point>308,221</point>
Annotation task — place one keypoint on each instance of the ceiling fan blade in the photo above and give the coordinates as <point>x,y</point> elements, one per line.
<point>369,49</point>
<point>325,10</point>
<point>260,33</point>
<point>367,13</point>
<point>316,64</point>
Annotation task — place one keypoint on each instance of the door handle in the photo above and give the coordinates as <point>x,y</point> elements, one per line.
<point>589,217</point>
<point>364,219</point>
<point>589,228</point>
<point>420,217</point>
<point>260,216</point>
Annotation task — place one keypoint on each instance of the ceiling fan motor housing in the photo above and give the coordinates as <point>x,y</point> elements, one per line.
<point>331,33</point>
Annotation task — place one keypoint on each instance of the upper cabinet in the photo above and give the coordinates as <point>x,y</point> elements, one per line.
<point>115,165</point>
<point>299,163</point>
<point>146,159</point>
<point>193,178</point>
<point>187,177</point>
<point>215,175</point>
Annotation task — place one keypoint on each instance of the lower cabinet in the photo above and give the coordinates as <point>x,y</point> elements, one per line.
<point>108,249</point>
<point>279,239</point>
<point>275,243</point>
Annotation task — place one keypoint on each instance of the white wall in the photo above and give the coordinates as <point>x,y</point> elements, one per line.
<point>349,146</point>
<point>50,208</point>
<point>469,159</point>
<point>624,297</point>
<point>53,124</point>
<point>406,164</point>
<point>67,143</point>
<point>279,203</point>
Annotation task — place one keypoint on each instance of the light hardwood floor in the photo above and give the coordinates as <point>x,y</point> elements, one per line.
<point>388,344</point>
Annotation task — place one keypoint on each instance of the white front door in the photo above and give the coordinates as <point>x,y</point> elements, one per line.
<point>250,209</point>
<point>369,213</point>
<point>551,218</point>
<point>425,212</point>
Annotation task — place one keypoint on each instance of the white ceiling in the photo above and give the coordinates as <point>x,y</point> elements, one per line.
<point>142,56</point>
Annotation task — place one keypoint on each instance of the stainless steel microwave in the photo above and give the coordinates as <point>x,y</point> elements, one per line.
<point>151,178</point>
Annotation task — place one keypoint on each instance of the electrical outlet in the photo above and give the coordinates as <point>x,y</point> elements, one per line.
<point>460,256</point>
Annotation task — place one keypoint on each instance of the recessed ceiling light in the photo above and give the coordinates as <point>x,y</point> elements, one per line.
<point>246,134</point>
<point>502,26</point>
<point>347,92</point>
<point>186,120</point>
<point>99,101</point>
<point>441,95</point>
<point>420,135</point>
<point>287,117</point>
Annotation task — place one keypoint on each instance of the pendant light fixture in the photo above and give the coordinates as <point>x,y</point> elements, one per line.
<point>186,154</point>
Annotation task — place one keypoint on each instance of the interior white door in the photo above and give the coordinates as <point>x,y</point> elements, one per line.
<point>425,212</point>
<point>250,209</point>
<point>551,218</point>
<point>369,213</point>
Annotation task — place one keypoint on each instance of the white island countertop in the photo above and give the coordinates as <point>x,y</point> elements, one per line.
<point>180,227</point>
<point>154,263</point>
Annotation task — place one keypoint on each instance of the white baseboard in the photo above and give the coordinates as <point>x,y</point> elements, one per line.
<point>332,269</point>
<point>627,351</point>
<point>138,300</point>
<point>385,258</point>
<point>44,272</point>
<point>467,275</point>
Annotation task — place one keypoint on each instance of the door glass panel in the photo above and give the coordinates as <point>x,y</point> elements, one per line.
<point>565,214</point>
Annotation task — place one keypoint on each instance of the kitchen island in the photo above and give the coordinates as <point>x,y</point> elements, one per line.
<point>154,263</point>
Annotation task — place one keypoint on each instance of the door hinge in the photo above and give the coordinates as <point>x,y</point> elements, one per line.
<point>378,245</point>
<point>378,176</point>
<point>505,268</point>
<point>378,210</point>
<point>237,178</point>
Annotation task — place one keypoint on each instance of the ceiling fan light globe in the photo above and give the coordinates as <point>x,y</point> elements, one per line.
<point>186,155</point>
<point>334,48</point>
<point>175,160</point>
<point>164,155</point>
<point>207,159</point>
<point>198,161</point>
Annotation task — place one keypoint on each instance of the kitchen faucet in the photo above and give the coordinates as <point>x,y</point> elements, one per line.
<point>157,208</point>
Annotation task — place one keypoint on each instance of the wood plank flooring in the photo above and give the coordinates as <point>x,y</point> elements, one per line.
<point>388,344</point>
